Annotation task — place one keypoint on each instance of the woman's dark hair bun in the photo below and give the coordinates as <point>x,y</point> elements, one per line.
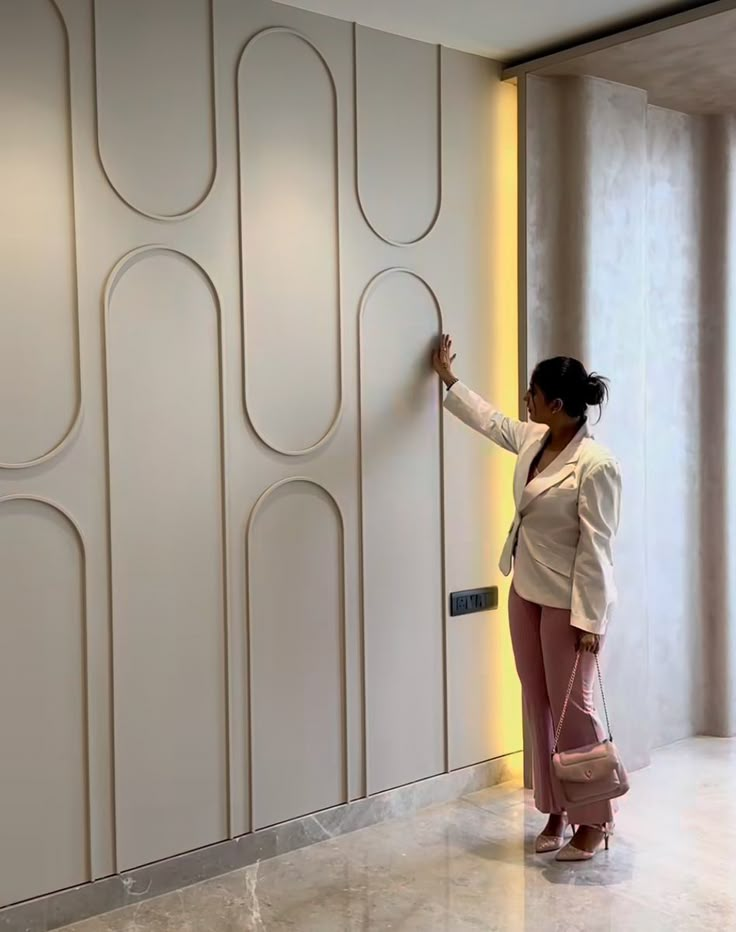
<point>596,390</point>
<point>566,379</point>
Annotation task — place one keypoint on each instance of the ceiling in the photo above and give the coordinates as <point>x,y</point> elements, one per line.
<point>690,68</point>
<point>507,30</point>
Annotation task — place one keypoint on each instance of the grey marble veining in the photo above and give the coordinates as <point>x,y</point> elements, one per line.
<point>135,888</point>
<point>468,865</point>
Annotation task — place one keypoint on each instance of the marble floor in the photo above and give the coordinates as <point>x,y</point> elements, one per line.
<point>469,866</point>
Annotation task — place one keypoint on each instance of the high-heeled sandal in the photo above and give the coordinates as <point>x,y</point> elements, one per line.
<point>548,844</point>
<point>572,853</point>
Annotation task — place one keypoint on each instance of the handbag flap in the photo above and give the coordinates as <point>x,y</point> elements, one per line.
<point>587,764</point>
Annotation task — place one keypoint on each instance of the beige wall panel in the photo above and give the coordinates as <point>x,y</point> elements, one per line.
<point>403,568</point>
<point>175,372</point>
<point>296,599</point>
<point>44,821</point>
<point>155,102</point>
<point>290,240</point>
<point>398,113</point>
<point>166,532</point>
<point>39,352</point>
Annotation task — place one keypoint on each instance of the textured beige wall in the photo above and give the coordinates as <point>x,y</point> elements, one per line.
<point>586,197</point>
<point>676,222</point>
<point>231,512</point>
<point>718,426</point>
<point>629,264</point>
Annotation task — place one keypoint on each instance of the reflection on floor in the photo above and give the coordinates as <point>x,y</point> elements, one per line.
<point>468,866</point>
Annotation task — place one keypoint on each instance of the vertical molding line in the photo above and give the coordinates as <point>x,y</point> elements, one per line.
<point>204,197</point>
<point>71,520</point>
<point>114,276</point>
<point>522,321</point>
<point>443,533</point>
<point>337,416</point>
<point>78,415</point>
<point>259,503</point>
<point>367,292</point>
<point>440,162</point>
<point>522,237</point>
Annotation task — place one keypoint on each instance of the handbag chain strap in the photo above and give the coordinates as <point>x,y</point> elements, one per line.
<point>569,694</point>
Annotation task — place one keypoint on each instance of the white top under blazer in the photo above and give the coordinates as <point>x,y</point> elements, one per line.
<point>561,541</point>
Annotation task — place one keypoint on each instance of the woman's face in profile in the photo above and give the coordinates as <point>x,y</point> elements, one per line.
<point>537,406</point>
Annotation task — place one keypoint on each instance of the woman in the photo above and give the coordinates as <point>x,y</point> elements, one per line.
<point>567,490</point>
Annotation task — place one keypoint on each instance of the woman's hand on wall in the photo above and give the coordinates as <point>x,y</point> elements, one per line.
<point>443,358</point>
<point>589,643</point>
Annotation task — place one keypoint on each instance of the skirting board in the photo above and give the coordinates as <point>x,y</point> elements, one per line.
<point>102,896</point>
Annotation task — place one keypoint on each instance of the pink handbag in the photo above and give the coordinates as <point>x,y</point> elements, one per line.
<point>591,774</point>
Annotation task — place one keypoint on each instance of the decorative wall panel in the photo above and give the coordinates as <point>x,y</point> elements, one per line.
<point>402,519</point>
<point>44,805</point>
<point>39,352</point>
<point>156,127</point>
<point>296,612</point>
<point>398,135</point>
<point>166,535</point>
<point>290,241</point>
<point>246,661</point>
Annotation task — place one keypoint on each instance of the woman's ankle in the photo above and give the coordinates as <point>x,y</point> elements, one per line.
<point>556,822</point>
<point>589,837</point>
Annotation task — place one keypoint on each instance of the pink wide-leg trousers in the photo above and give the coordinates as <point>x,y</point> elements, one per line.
<point>544,649</point>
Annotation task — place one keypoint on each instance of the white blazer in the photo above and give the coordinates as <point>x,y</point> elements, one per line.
<point>561,540</point>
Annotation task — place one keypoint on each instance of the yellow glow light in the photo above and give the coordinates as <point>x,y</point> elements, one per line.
<point>505,699</point>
